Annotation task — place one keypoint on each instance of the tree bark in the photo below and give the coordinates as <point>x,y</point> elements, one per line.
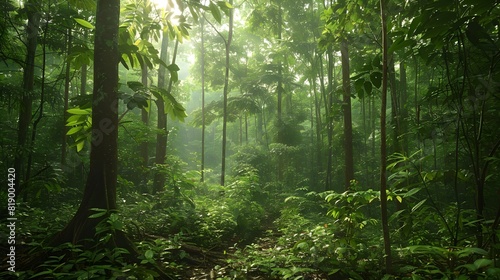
<point>144,152</point>
<point>203,124</point>
<point>328,97</point>
<point>225,93</point>
<point>100,189</point>
<point>383,147</point>
<point>67,80</point>
<point>162,136</point>
<point>25,107</point>
<point>346,85</point>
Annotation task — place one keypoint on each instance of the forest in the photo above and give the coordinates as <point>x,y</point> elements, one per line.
<point>250,139</point>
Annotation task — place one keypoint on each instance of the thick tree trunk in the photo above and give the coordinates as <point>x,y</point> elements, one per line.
<point>346,85</point>
<point>100,190</point>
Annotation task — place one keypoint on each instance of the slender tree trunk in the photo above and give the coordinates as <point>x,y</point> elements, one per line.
<point>373,116</point>
<point>279,88</point>
<point>83,74</point>
<point>25,108</point>
<point>346,85</point>
<point>143,149</point>
<point>319,125</point>
<point>144,153</point>
<point>162,136</point>
<point>226,92</point>
<point>240,133</point>
<point>403,108</point>
<point>67,79</point>
<point>395,107</point>
<point>40,114</point>
<point>246,128</point>
<point>203,124</point>
<point>417,106</point>
<point>383,148</point>
<point>329,119</point>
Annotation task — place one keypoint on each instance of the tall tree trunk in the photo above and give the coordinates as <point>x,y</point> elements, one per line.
<point>67,80</point>
<point>346,85</point>
<point>395,105</point>
<point>143,149</point>
<point>246,128</point>
<point>383,145</point>
<point>144,153</point>
<point>162,136</point>
<point>100,190</point>
<point>203,124</point>
<point>225,93</point>
<point>280,91</point>
<point>25,107</point>
<point>403,109</point>
<point>328,97</point>
<point>31,144</point>
<point>83,74</point>
<point>319,127</point>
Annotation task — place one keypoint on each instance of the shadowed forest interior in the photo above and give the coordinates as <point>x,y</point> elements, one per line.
<point>250,139</point>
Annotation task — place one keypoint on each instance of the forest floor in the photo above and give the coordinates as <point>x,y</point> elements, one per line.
<point>219,263</point>
<point>207,265</point>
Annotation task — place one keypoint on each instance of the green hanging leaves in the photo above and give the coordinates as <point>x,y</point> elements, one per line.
<point>84,23</point>
<point>174,72</point>
<point>214,9</point>
<point>172,107</point>
<point>376,79</point>
<point>80,122</point>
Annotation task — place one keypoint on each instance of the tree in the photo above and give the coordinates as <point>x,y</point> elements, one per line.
<point>225,93</point>
<point>100,189</point>
<point>383,145</point>
<point>346,86</point>
<point>25,109</point>
<point>202,73</point>
<point>227,44</point>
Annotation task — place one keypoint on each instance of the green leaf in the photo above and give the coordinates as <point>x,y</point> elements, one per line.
<point>368,87</point>
<point>74,130</point>
<point>78,111</point>
<point>135,86</point>
<point>412,192</point>
<point>173,67</point>
<point>469,251</point>
<point>84,23</point>
<point>418,205</point>
<point>215,12</point>
<point>100,213</point>
<point>401,45</point>
<point>480,263</point>
<point>79,146</point>
<point>376,79</point>
<point>149,254</point>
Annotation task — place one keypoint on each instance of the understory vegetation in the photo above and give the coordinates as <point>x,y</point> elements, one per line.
<point>252,229</point>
